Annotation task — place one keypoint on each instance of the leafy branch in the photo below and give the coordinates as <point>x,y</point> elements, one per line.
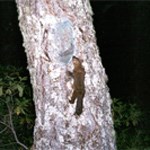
<point>11,127</point>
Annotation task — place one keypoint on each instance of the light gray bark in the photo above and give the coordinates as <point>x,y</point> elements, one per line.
<point>54,31</point>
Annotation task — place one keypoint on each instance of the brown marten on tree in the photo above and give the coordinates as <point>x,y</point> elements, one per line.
<point>78,75</point>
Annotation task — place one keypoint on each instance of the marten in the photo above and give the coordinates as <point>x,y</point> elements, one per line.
<point>78,75</point>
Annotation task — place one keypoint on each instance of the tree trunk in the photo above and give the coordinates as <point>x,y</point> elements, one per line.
<point>54,31</point>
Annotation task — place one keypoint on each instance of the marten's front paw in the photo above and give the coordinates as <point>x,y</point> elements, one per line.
<point>71,101</point>
<point>69,73</point>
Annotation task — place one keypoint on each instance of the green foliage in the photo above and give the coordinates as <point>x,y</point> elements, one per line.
<point>125,115</point>
<point>15,102</point>
<point>127,121</point>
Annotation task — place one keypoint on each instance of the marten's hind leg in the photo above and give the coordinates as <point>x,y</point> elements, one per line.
<point>74,96</point>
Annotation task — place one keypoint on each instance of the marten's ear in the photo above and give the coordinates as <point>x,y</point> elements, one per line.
<point>74,57</point>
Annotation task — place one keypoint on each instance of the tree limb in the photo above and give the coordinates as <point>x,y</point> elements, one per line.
<point>13,129</point>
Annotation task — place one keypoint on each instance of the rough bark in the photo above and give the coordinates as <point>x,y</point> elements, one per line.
<point>54,31</point>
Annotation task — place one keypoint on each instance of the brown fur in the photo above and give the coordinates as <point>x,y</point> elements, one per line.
<point>78,85</point>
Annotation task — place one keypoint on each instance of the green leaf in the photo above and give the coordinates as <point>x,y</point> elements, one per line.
<point>1,91</point>
<point>8,91</point>
<point>17,110</point>
<point>20,90</point>
<point>23,78</point>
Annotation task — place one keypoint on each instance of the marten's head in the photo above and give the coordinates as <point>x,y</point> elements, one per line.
<point>76,61</point>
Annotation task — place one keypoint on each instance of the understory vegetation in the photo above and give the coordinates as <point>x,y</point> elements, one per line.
<point>17,115</point>
<point>131,125</point>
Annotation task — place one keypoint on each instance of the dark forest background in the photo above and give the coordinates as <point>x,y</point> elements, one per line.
<point>123,36</point>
